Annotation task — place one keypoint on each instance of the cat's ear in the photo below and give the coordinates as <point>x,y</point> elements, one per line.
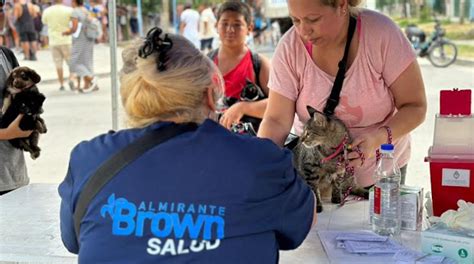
<point>311,111</point>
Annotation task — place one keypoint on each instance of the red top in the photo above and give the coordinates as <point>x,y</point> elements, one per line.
<point>235,79</point>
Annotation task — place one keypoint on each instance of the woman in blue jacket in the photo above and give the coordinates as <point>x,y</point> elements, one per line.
<point>204,196</point>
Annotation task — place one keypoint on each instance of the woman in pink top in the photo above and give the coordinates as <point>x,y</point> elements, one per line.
<point>383,92</point>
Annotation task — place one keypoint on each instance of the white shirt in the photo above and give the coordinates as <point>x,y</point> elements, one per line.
<point>208,16</point>
<point>191,30</point>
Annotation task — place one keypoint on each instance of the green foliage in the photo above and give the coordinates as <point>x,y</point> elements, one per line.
<point>464,35</point>
<point>425,14</point>
<point>403,22</point>
<point>148,6</point>
<point>152,6</point>
<point>196,3</point>
<point>446,21</point>
<point>466,51</point>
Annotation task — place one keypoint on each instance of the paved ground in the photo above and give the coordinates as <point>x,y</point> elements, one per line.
<point>74,117</point>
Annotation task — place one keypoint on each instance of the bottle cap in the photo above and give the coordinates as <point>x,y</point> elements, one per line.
<point>386,148</point>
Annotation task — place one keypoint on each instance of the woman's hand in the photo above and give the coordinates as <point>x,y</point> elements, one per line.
<point>14,131</point>
<point>365,146</point>
<point>233,115</point>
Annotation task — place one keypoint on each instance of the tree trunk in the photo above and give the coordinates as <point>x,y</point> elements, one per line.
<point>419,4</point>
<point>404,9</point>
<point>461,11</point>
<point>449,7</point>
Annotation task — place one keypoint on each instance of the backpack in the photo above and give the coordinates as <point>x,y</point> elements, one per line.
<point>92,28</point>
<point>255,62</point>
<point>250,88</point>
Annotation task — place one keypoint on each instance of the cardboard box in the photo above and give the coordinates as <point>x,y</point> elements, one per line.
<point>412,207</point>
<point>439,240</point>
<point>411,199</point>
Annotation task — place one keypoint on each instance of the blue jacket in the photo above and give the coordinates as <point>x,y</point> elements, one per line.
<point>207,196</point>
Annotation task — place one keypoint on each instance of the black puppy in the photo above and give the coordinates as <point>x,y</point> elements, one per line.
<point>250,93</point>
<point>30,104</point>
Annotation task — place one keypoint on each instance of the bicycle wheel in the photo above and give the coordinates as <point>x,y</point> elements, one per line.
<point>443,54</point>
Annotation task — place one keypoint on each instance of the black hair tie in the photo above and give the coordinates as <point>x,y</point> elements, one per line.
<point>153,43</point>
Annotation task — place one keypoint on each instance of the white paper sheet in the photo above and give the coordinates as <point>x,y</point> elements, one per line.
<point>340,255</point>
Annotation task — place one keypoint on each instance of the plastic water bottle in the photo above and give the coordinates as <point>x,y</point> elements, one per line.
<point>387,206</point>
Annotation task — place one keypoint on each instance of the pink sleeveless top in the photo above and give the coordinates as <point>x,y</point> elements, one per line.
<point>235,79</point>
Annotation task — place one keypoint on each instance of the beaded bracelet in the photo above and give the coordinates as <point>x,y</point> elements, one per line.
<point>389,134</point>
<point>389,141</point>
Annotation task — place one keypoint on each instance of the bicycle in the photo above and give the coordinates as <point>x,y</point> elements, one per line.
<point>440,51</point>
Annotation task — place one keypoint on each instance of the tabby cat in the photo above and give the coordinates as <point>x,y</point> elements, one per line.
<point>319,156</point>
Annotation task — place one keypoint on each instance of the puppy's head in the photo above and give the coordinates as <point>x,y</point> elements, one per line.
<point>29,102</point>
<point>251,92</point>
<point>22,78</point>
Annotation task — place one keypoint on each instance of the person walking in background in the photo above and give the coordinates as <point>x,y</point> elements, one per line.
<point>44,38</point>
<point>132,10</point>
<point>24,14</point>
<point>259,26</point>
<point>179,11</point>
<point>100,11</point>
<point>13,173</point>
<point>82,50</point>
<point>207,27</point>
<point>189,26</point>
<point>3,25</point>
<point>12,33</point>
<point>57,19</point>
<point>122,24</point>
<point>38,23</point>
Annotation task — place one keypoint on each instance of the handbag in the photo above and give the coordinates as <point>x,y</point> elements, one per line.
<point>333,100</point>
<point>120,160</point>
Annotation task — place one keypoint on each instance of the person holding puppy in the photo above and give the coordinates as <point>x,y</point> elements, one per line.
<point>175,203</point>
<point>237,62</point>
<point>382,97</point>
<point>13,172</point>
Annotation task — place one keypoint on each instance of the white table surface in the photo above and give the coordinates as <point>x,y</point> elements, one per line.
<point>29,228</point>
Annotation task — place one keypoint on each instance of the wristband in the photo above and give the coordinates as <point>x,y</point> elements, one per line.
<point>389,134</point>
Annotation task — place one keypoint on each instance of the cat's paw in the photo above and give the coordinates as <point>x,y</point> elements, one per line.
<point>35,154</point>
<point>336,199</point>
<point>319,208</point>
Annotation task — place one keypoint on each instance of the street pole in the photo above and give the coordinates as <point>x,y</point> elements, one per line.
<point>165,15</point>
<point>113,61</point>
<point>175,18</point>
<point>139,17</point>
